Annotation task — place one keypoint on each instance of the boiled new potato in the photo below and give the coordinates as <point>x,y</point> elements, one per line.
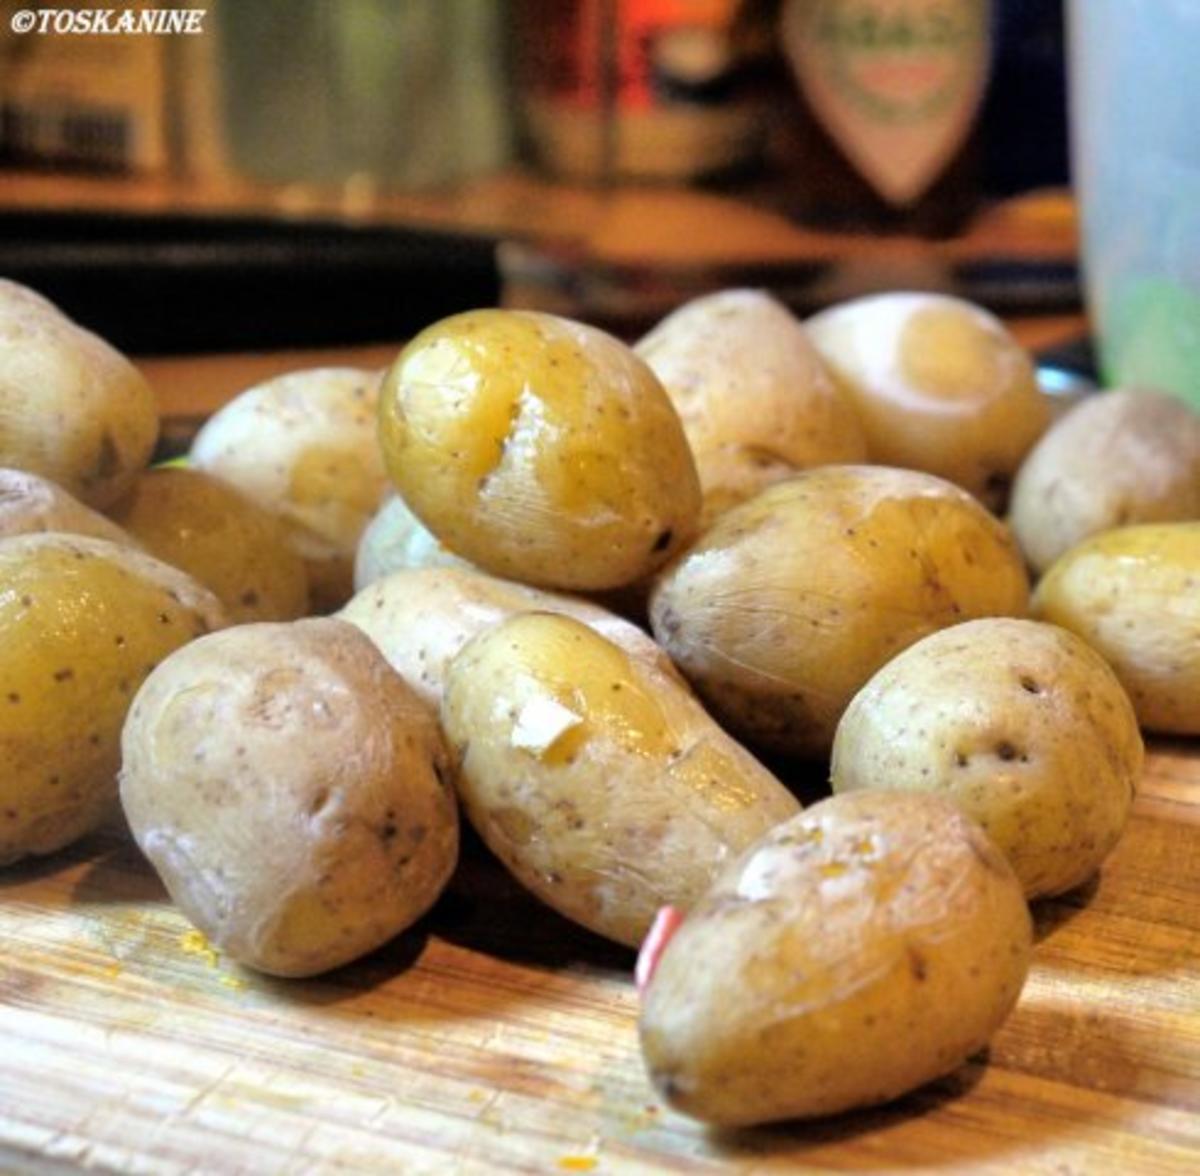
<point>1021,724</point>
<point>421,617</point>
<point>82,622</point>
<point>538,449</point>
<point>756,402</point>
<point>1133,594</point>
<point>72,408</point>
<point>288,788</point>
<point>598,781</point>
<point>29,503</point>
<point>1129,456</point>
<point>790,602</point>
<point>304,446</point>
<point>395,540</point>
<point>939,385</point>
<point>864,947</point>
<point>231,545</point>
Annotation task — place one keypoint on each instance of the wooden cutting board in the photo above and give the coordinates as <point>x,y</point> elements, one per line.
<point>497,1037</point>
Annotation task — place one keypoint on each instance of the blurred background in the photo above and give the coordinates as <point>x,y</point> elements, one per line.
<point>309,173</point>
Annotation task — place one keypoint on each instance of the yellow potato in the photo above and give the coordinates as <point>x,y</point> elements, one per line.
<point>538,449</point>
<point>599,782</point>
<point>396,540</point>
<point>790,602</point>
<point>1133,594</point>
<point>1130,456</point>
<point>756,402</point>
<point>1021,724</point>
<point>82,622</point>
<point>304,447</point>
<point>864,947</point>
<point>72,408</point>
<point>939,385</point>
<point>286,785</point>
<point>29,504</point>
<point>204,526</point>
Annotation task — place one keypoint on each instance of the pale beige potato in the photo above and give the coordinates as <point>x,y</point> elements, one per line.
<point>1021,724</point>
<point>421,617</point>
<point>861,949</point>
<point>539,449</point>
<point>1126,456</point>
<point>212,531</point>
<point>756,401</point>
<point>1133,594</point>
<point>785,607</point>
<point>600,783</point>
<point>939,385</point>
<point>396,540</point>
<point>304,446</point>
<point>288,788</point>
<point>82,622</point>
<point>72,408</point>
<point>30,503</point>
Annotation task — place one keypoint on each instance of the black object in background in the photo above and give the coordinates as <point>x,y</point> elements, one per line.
<point>188,284</point>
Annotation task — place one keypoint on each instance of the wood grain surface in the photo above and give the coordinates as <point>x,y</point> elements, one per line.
<point>497,1037</point>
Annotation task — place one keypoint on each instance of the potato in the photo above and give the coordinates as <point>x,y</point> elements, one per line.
<point>599,782</point>
<point>421,618</point>
<point>1130,456</point>
<point>791,601</point>
<point>865,947</point>
<point>29,503</point>
<point>756,402</point>
<point>287,786</point>
<point>939,385</point>
<point>1133,594</point>
<point>304,447</point>
<point>538,449</point>
<point>82,622</point>
<point>236,548</point>
<point>395,540</point>
<point>1021,724</point>
<point>72,408</point>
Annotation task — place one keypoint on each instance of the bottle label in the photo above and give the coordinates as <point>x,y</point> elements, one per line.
<point>896,83</point>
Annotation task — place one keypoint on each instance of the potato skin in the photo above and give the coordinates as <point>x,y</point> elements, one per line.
<point>82,622</point>
<point>538,449</point>
<point>285,784</point>
<point>1021,724</point>
<point>395,540</point>
<point>304,447</point>
<point>859,950</point>
<point>756,401</point>
<point>204,526</point>
<point>786,606</point>
<point>1133,594</point>
<point>939,385</point>
<point>1126,456</point>
<point>421,617</point>
<point>72,408</point>
<point>601,784</point>
<point>30,504</point>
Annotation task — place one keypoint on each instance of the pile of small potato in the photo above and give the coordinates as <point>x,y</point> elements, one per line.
<point>561,579</point>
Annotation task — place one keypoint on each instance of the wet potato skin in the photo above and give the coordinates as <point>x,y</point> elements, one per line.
<point>538,449</point>
<point>790,602</point>
<point>29,504</point>
<point>600,783</point>
<point>859,950</point>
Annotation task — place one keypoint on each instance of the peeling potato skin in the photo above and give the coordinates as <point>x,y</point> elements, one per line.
<point>785,607</point>
<point>1021,724</point>
<point>31,504</point>
<point>72,408</point>
<point>861,949</point>
<point>82,622</point>
<point>287,787</point>
<point>1123,457</point>
<point>1133,594</point>
<point>601,784</point>
<point>539,449</point>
